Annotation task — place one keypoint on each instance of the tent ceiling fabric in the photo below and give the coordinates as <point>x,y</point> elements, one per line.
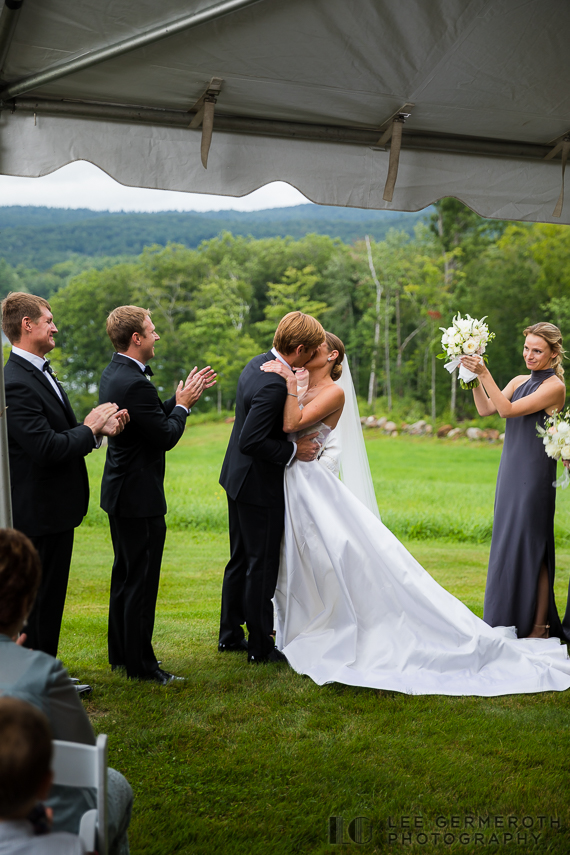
<point>486,70</point>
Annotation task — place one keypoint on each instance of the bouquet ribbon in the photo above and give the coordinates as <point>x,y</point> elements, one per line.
<point>464,373</point>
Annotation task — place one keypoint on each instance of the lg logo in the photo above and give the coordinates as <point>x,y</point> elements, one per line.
<point>358,830</point>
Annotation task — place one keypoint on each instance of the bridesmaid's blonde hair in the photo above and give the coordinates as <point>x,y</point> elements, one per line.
<point>553,337</point>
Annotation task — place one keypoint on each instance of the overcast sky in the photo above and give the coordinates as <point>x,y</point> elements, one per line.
<point>82,185</point>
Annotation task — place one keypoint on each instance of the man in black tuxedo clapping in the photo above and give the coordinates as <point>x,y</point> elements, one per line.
<point>50,488</point>
<point>132,489</point>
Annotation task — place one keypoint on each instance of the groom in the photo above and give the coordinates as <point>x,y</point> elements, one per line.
<point>252,476</point>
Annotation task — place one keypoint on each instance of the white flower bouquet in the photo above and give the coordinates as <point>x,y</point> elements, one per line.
<point>556,438</point>
<point>465,337</point>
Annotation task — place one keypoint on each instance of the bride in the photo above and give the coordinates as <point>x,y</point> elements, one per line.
<point>353,606</point>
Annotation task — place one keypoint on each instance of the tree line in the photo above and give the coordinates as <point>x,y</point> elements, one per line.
<point>41,238</point>
<point>220,302</point>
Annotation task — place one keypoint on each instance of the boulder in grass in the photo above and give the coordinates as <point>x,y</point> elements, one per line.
<point>390,427</point>
<point>230,420</point>
<point>394,433</point>
<point>381,421</point>
<point>492,434</point>
<point>474,433</point>
<point>501,437</point>
<point>428,429</point>
<point>370,421</point>
<point>444,430</point>
<point>455,432</point>
<point>418,428</point>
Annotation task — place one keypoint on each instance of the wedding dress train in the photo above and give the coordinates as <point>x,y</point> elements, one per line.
<point>354,607</point>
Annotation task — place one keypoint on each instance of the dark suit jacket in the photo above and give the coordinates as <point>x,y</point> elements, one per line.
<point>258,450</point>
<point>133,479</point>
<point>50,488</point>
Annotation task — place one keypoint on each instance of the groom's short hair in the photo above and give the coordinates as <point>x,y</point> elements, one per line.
<point>298,329</point>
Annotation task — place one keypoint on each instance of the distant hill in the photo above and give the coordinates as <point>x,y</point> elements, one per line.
<point>42,237</point>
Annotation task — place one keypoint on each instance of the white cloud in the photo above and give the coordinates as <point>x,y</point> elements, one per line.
<point>83,185</point>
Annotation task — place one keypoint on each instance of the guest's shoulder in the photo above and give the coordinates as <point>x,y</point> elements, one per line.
<point>56,843</point>
<point>26,660</point>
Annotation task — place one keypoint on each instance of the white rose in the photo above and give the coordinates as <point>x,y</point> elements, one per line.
<point>563,428</point>
<point>470,346</point>
<point>566,452</point>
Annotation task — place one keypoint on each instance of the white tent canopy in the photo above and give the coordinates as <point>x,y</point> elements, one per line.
<point>301,91</point>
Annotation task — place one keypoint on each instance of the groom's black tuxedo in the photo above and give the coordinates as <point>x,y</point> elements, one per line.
<point>258,449</point>
<point>132,493</point>
<point>252,475</point>
<point>50,488</point>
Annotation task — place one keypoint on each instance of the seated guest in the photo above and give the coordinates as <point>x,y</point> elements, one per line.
<point>41,680</point>
<point>25,779</point>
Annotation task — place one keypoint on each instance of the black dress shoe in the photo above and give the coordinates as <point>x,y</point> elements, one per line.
<point>160,676</point>
<point>273,656</point>
<point>238,647</point>
<point>82,689</point>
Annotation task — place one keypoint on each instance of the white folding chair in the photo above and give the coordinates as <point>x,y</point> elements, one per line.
<point>78,765</point>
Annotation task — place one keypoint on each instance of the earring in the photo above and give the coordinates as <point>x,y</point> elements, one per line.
<point>329,359</point>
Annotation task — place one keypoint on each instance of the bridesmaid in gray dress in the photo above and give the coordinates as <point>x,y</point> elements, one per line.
<point>520,578</point>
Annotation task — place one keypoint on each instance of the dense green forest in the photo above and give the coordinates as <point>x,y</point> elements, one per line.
<point>42,237</point>
<point>219,303</point>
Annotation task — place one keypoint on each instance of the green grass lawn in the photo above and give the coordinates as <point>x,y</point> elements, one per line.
<point>255,760</point>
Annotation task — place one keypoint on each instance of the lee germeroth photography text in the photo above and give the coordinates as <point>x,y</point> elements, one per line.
<point>454,830</point>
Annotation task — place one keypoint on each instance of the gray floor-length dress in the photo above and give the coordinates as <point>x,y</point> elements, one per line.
<point>523,526</point>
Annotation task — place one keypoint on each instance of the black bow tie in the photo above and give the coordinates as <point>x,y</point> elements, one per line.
<point>148,371</point>
<point>47,368</point>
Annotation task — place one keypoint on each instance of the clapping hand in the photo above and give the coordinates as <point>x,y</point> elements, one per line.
<point>197,381</point>
<point>116,424</point>
<point>106,420</point>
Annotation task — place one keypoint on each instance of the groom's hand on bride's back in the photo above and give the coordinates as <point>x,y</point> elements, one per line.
<point>307,449</point>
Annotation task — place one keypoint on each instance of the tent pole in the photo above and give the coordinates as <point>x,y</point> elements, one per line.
<point>8,21</point>
<point>226,123</point>
<point>5,491</point>
<point>94,57</point>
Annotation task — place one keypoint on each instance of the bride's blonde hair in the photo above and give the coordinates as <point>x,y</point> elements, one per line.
<point>334,343</point>
<point>553,337</point>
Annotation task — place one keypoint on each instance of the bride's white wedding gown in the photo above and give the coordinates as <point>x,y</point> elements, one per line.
<point>354,607</point>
